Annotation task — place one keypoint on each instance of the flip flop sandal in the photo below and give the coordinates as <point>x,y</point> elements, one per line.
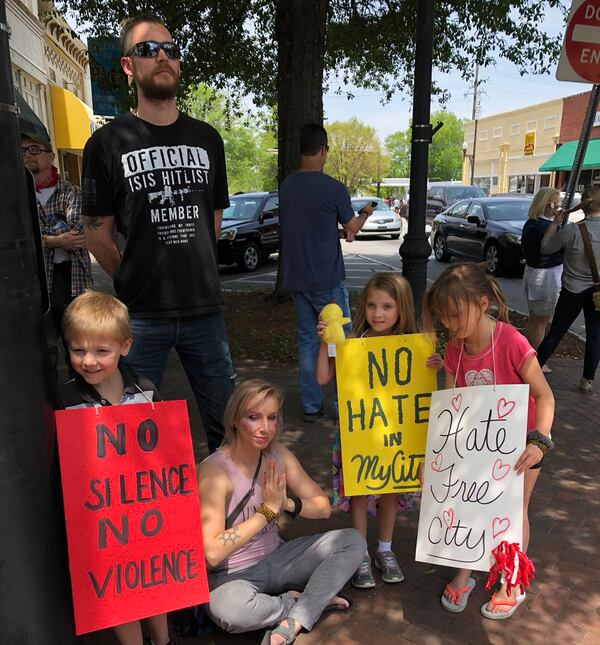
<point>459,598</point>
<point>331,608</point>
<point>513,603</point>
<point>289,633</point>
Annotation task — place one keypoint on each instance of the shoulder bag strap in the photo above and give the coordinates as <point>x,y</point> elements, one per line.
<point>589,252</point>
<point>232,517</point>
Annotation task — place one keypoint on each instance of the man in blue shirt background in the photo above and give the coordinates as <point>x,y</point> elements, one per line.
<point>311,205</point>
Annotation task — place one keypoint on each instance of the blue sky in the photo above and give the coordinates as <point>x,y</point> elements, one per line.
<point>504,90</point>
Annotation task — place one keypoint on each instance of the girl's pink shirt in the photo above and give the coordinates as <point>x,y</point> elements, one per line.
<point>511,348</point>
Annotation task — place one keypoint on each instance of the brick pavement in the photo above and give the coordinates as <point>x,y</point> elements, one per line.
<point>563,603</point>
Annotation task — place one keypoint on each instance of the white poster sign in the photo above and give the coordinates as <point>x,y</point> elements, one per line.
<point>472,497</point>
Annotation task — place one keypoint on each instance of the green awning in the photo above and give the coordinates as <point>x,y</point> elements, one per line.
<point>562,159</point>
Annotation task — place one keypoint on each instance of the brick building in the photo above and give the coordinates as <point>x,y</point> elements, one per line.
<point>523,150</point>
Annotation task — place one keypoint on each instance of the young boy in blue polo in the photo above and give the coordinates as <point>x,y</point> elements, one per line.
<point>97,330</point>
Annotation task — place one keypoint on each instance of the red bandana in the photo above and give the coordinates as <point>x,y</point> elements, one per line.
<point>50,181</point>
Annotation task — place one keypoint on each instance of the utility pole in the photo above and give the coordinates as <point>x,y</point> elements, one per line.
<point>474,118</point>
<point>35,606</point>
<point>415,249</point>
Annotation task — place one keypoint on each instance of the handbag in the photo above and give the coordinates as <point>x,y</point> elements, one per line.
<point>591,258</point>
<point>242,503</point>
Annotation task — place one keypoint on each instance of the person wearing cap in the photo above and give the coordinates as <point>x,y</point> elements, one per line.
<point>67,261</point>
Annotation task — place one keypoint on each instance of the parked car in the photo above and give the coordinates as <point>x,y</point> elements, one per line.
<point>514,194</point>
<point>250,230</point>
<point>483,229</point>
<point>382,221</point>
<point>442,194</point>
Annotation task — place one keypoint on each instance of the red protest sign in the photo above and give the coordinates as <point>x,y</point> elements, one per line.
<point>132,512</point>
<point>580,56</point>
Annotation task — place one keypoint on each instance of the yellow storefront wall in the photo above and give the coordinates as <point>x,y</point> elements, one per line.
<point>512,143</point>
<point>72,120</point>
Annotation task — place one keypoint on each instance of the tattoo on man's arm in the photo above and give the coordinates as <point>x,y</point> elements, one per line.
<point>229,536</point>
<point>93,222</point>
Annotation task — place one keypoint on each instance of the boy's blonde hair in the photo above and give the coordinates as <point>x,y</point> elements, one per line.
<point>96,314</point>
<point>461,284</point>
<point>247,393</point>
<point>397,288</point>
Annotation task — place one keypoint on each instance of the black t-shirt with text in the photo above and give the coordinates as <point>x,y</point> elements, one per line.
<point>162,184</point>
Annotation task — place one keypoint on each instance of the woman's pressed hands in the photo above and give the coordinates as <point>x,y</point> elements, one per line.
<point>274,487</point>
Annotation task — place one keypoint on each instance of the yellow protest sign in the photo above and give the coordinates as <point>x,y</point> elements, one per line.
<point>384,393</point>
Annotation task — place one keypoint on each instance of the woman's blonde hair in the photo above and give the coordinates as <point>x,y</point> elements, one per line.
<point>246,394</point>
<point>458,285</point>
<point>98,315</point>
<point>540,201</point>
<point>397,288</point>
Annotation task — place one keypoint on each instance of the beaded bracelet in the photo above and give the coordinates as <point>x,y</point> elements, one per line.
<point>270,515</point>
<point>545,450</point>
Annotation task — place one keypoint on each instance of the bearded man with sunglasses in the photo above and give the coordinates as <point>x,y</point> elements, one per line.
<point>158,178</point>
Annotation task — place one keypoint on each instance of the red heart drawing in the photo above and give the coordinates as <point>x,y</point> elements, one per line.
<point>499,470</point>
<point>457,402</point>
<point>504,407</point>
<point>436,464</point>
<point>449,517</point>
<point>499,526</point>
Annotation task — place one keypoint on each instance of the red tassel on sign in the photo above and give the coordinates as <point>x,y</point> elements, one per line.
<point>512,565</point>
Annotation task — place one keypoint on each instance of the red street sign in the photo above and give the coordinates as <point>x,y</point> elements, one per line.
<point>580,56</point>
<point>132,512</point>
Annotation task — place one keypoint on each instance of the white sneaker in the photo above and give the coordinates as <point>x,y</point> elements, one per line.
<point>585,385</point>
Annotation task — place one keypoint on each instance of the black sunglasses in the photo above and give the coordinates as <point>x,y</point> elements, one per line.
<point>33,150</point>
<point>150,49</point>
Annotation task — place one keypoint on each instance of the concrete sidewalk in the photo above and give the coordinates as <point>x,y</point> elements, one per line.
<point>563,603</point>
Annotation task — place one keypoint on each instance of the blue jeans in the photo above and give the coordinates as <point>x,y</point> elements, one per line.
<point>568,307</point>
<point>308,306</point>
<point>201,343</point>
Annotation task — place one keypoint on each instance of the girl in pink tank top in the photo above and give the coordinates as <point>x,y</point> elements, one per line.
<point>485,351</point>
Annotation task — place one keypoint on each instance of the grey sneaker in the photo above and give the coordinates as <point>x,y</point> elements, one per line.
<point>585,385</point>
<point>386,562</point>
<point>363,578</point>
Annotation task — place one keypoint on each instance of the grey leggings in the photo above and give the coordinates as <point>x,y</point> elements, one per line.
<point>255,597</point>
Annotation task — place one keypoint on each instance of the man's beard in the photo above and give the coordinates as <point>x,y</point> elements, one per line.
<point>158,91</point>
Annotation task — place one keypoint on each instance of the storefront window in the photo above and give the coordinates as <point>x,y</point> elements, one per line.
<point>521,184</point>
<point>484,183</point>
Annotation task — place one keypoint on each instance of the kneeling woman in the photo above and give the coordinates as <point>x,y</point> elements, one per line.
<point>245,488</point>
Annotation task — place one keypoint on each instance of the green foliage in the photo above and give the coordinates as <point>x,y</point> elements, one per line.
<point>398,147</point>
<point>355,157</point>
<point>445,152</point>
<point>247,138</point>
<point>371,43</point>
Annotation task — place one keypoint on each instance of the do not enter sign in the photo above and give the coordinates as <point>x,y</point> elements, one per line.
<point>580,56</point>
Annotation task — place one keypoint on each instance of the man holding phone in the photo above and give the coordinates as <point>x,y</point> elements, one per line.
<point>311,205</point>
